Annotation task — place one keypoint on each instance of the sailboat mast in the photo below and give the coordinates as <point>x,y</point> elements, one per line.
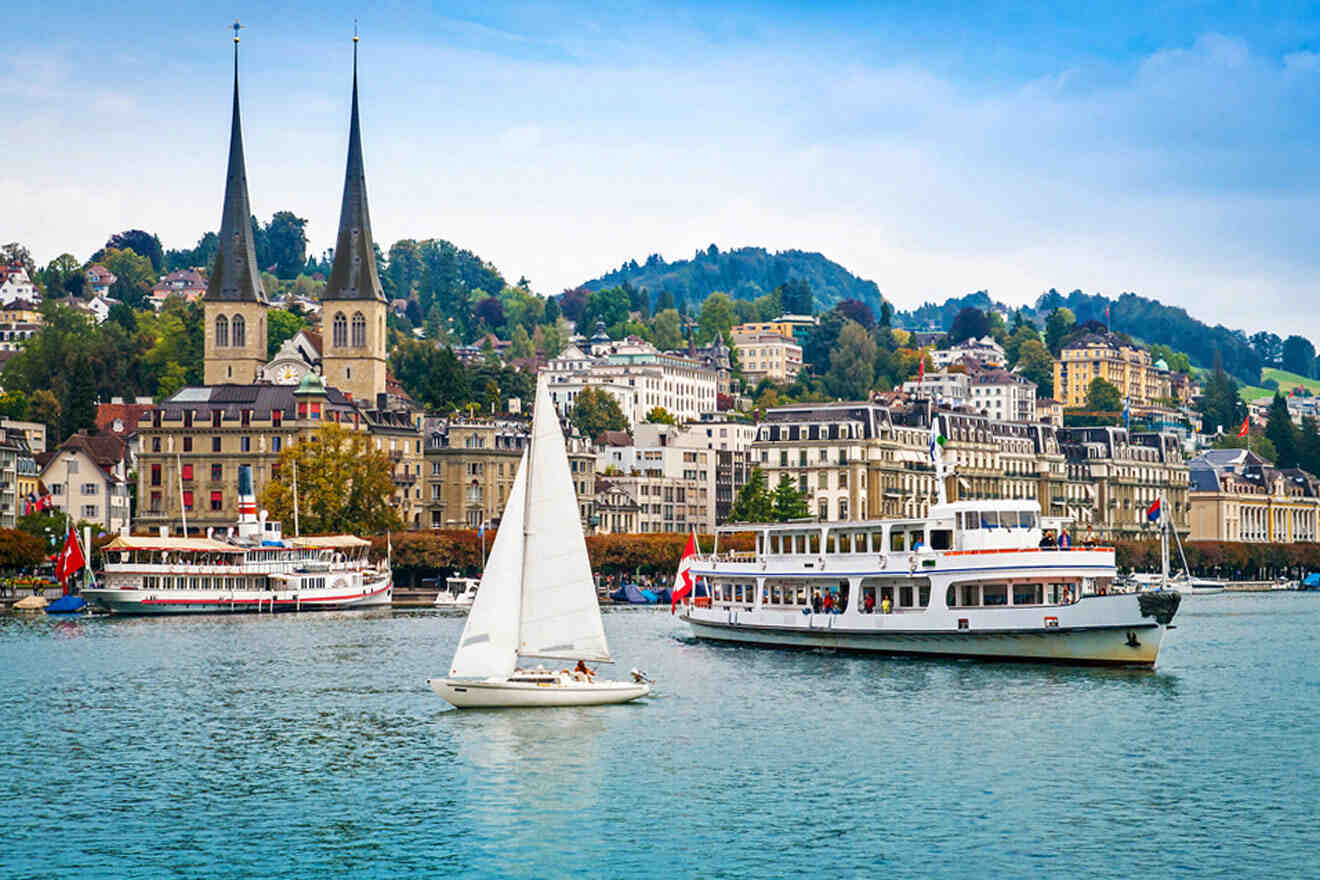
<point>527,510</point>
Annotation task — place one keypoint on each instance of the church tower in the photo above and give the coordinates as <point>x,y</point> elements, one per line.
<point>353,305</point>
<point>235,302</point>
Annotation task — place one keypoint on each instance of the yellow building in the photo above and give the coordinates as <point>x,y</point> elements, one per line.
<point>1105,356</point>
<point>1237,496</point>
<point>768,356</point>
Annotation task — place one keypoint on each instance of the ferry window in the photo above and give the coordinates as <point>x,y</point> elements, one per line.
<point>877,542</point>
<point>832,542</point>
<point>813,543</point>
<point>989,519</point>
<point>951,597</point>
<point>1027,594</point>
<point>970,595</point>
<point>941,539</point>
<point>995,594</point>
<point>897,541</point>
<point>777,595</point>
<point>1027,519</point>
<point>905,597</point>
<point>923,595</point>
<point>760,544</point>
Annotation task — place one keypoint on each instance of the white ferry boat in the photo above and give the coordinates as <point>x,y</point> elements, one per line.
<point>256,570</point>
<point>458,592</point>
<point>969,580</point>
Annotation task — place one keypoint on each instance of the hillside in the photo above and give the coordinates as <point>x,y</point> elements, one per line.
<point>744,273</point>
<point>939,316</point>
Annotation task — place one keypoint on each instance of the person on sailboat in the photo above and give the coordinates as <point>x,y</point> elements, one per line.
<point>582,672</point>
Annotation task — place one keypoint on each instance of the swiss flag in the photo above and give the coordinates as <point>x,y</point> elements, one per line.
<point>683,579</point>
<point>71,559</point>
<point>1246,424</point>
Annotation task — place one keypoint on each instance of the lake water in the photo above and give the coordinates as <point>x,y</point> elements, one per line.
<point>310,746</point>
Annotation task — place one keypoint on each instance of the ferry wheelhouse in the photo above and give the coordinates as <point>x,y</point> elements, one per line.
<point>972,579</point>
<point>255,570</point>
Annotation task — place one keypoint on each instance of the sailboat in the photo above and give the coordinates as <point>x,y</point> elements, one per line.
<point>536,598</point>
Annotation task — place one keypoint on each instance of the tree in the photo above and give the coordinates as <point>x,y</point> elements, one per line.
<point>13,405</point>
<point>796,298</point>
<point>609,307</point>
<point>554,335</point>
<point>597,411</point>
<point>552,313</point>
<point>490,313</point>
<point>280,327</point>
<point>58,272</point>
<point>140,242</point>
<point>789,502</point>
<point>1034,362</point>
<point>1308,445</point>
<point>433,377</point>
<point>1057,326</point>
<point>852,363</point>
<point>44,407</point>
<point>134,275</point>
<point>856,310</point>
<point>406,269</point>
<point>717,318</point>
<point>16,254</point>
<point>1268,347</point>
<point>1101,396</point>
<point>663,300</point>
<point>667,330</point>
<point>820,341</point>
<point>754,503</point>
<point>345,484</point>
<point>520,343</point>
<point>969,323</point>
<point>1279,430</point>
<point>660,416</point>
<point>1013,346</point>
<point>124,316</point>
<point>21,550</point>
<point>1221,407</point>
<point>1298,357</point>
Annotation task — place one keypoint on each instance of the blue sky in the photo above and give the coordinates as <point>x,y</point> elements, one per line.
<point>1164,148</point>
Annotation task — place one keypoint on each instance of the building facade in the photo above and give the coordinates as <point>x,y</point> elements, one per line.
<point>470,467</point>
<point>1107,356</point>
<point>768,356</point>
<point>1238,496</point>
<point>88,479</point>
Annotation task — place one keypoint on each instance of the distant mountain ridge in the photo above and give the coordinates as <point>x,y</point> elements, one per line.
<point>744,273</point>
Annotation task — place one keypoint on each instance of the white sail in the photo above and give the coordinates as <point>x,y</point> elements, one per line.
<point>560,613</point>
<point>488,647</point>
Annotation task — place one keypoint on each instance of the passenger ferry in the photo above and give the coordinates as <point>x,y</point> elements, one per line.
<point>255,570</point>
<point>971,579</point>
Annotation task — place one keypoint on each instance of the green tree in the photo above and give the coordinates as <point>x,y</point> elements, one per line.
<point>78,409</point>
<point>1221,407</point>
<point>789,501</point>
<point>754,503</point>
<point>433,377</point>
<point>58,272</point>
<point>667,330</point>
<point>852,363</point>
<point>140,242</point>
<point>1059,323</point>
<point>717,317</point>
<point>13,405</point>
<point>173,378</point>
<point>1298,357</point>
<point>520,344</point>
<point>345,484</point>
<point>44,407</point>
<point>658,415</point>
<point>609,307</point>
<point>21,550</point>
<point>1308,445</point>
<point>795,296</point>
<point>134,275</point>
<point>1279,430</point>
<point>554,335</point>
<point>1101,396</point>
<point>969,323</point>
<point>17,254</point>
<point>281,326</point>
<point>1023,332</point>
<point>597,411</point>
<point>820,341</point>
<point>1034,362</point>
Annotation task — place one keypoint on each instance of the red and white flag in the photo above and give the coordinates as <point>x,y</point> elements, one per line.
<point>71,559</point>
<point>1246,424</point>
<point>683,579</point>
<point>921,368</point>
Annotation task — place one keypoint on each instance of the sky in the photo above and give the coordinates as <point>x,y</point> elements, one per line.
<point>1163,148</point>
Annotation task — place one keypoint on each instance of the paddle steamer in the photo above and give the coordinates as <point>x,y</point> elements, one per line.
<point>971,579</point>
<point>253,570</point>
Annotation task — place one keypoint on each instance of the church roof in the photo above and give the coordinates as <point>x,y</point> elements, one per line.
<point>354,275</point>
<point>235,276</point>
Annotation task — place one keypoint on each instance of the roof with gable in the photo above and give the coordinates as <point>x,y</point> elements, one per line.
<point>126,414</point>
<point>105,450</point>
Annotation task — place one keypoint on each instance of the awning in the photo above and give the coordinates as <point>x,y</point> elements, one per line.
<point>192,545</point>
<point>329,542</point>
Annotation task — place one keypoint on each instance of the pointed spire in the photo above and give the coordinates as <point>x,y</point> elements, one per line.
<point>354,274</point>
<point>235,276</point>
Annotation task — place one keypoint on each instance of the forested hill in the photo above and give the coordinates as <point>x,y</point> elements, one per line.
<point>744,273</point>
<point>936,316</point>
<point>1153,322</point>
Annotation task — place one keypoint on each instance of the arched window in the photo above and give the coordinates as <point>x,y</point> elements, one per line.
<point>239,327</point>
<point>221,330</point>
<point>359,330</point>
<point>341,330</point>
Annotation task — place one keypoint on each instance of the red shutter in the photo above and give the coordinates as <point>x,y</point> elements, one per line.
<point>187,472</point>
<point>187,499</point>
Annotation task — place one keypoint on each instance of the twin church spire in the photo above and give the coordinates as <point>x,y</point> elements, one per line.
<point>353,294</point>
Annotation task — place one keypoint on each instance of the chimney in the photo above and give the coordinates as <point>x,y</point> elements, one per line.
<point>248,527</point>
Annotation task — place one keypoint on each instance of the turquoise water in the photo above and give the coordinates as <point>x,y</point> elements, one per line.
<point>309,746</point>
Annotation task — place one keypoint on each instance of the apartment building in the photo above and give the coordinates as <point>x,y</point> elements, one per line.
<point>1238,496</point>
<point>1106,356</point>
<point>88,479</point>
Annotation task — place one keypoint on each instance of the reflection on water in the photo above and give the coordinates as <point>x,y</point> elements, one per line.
<point>310,746</point>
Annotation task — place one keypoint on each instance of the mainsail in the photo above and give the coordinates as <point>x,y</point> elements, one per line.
<point>560,613</point>
<point>488,647</point>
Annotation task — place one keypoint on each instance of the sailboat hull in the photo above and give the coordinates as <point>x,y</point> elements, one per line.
<point>494,693</point>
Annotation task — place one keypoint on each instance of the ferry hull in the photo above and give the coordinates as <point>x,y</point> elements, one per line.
<point>470,694</point>
<point>1090,646</point>
<point>142,602</point>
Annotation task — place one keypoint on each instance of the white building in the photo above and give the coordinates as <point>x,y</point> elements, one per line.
<point>944,387</point>
<point>1008,397</point>
<point>15,285</point>
<point>88,477</point>
<point>99,279</point>
<point>768,356</point>
<point>98,307</point>
<point>984,350</point>
<point>638,376</point>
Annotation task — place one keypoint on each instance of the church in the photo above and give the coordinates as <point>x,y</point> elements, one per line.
<point>249,410</point>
